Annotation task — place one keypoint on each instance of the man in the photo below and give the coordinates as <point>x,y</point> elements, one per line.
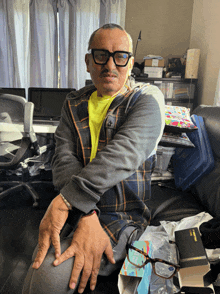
<point>105,146</point>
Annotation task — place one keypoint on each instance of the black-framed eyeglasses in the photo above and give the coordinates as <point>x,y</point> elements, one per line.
<point>101,57</point>
<point>161,268</point>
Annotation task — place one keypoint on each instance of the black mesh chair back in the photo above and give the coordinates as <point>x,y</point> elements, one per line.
<point>16,130</point>
<point>18,145</point>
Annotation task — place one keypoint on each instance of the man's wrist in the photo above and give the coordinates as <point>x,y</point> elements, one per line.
<point>90,213</point>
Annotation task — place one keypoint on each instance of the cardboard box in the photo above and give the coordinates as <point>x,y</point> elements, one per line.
<point>194,274</point>
<point>192,63</point>
<point>131,278</point>
<point>154,62</point>
<point>153,72</point>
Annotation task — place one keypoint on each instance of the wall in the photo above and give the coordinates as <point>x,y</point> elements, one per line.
<point>205,36</point>
<point>165,26</point>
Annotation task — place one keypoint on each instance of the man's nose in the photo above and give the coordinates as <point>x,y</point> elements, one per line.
<point>110,64</point>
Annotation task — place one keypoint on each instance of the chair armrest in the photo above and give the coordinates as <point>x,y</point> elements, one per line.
<point>28,122</point>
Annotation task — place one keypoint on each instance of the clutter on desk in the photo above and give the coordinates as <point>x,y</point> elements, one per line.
<point>176,67</point>
<point>153,72</point>
<point>153,61</point>
<point>178,124</point>
<point>153,66</point>
<point>151,56</point>
<point>138,70</point>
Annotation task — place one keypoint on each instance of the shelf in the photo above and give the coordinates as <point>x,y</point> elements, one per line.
<point>168,80</point>
<point>178,92</point>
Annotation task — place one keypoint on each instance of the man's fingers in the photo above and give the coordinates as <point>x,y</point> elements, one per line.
<point>95,272</point>
<point>109,253</point>
<point>50,226</point>
<point>77,268</point>
<point>66,255</point>
<point>55,239</point>
<point>43,246</point>
<point>86,273</point>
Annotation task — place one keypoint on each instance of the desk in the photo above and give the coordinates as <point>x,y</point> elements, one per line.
<point>12,132</point>
<point>46,127</point>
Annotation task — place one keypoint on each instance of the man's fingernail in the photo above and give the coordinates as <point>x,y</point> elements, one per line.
<point>56,262</point>
<point>57,255</point>
<point>72,286</point>
<point>35,265</point>
<point>92,288</point>
<point>80,290</point>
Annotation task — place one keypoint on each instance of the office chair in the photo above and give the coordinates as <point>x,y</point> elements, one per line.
<point>19,149</point>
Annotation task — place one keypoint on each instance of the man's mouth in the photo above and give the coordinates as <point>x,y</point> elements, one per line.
<point>106,74</point>
<point>109,75</point>
<point>109,78</point>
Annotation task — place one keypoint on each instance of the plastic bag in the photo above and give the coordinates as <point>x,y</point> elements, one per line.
<point>161,248</point>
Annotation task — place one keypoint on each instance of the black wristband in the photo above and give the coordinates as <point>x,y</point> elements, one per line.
<point>90,213</point>
<point>74,216</point>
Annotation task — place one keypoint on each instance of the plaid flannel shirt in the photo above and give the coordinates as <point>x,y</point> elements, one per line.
<point>118,181</point>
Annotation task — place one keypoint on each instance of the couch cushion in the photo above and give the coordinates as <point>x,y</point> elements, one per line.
<point>184,204</point>
<point>208,191</point>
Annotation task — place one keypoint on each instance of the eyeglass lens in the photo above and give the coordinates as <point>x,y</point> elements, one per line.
<point>120,58</point>
<point>160,268</point>
<point>164,270</point>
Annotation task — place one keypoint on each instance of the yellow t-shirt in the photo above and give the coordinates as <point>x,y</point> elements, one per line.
<point>97,108</point>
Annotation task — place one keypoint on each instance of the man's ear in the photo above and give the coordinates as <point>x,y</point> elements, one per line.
<point>131,64</point>
<point>87,62</point>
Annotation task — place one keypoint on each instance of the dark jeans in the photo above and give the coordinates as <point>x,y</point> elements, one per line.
<point>50,279</point>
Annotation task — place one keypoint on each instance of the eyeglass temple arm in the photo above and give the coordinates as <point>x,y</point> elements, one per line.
<point>153,259</point>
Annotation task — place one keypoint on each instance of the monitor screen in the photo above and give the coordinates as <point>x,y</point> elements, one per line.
<point>89,82</point>
<point>48,102</point>
<point>13,91</point>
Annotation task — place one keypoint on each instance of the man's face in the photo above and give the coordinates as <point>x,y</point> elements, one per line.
<point>109,79</point>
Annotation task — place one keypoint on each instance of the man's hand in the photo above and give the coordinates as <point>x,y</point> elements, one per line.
<point>88,245</point>
<point>49,231</point>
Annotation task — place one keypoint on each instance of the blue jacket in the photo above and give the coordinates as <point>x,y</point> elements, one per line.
<point>117,182</point>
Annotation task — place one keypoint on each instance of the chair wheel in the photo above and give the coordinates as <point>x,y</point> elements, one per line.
<point>35,204</point>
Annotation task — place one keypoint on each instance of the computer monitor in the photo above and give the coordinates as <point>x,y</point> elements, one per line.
<point>48,102</point>
<point>89,82</point>
<point>13,91</point>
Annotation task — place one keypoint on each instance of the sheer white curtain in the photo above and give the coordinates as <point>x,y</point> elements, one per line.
<point>43,43</point>
<point>112,11</point>
<point>14,43</point>
<point>29,39</point>
<point>77,20</point>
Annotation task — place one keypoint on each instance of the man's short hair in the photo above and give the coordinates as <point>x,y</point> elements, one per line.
<point>110,26</point>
